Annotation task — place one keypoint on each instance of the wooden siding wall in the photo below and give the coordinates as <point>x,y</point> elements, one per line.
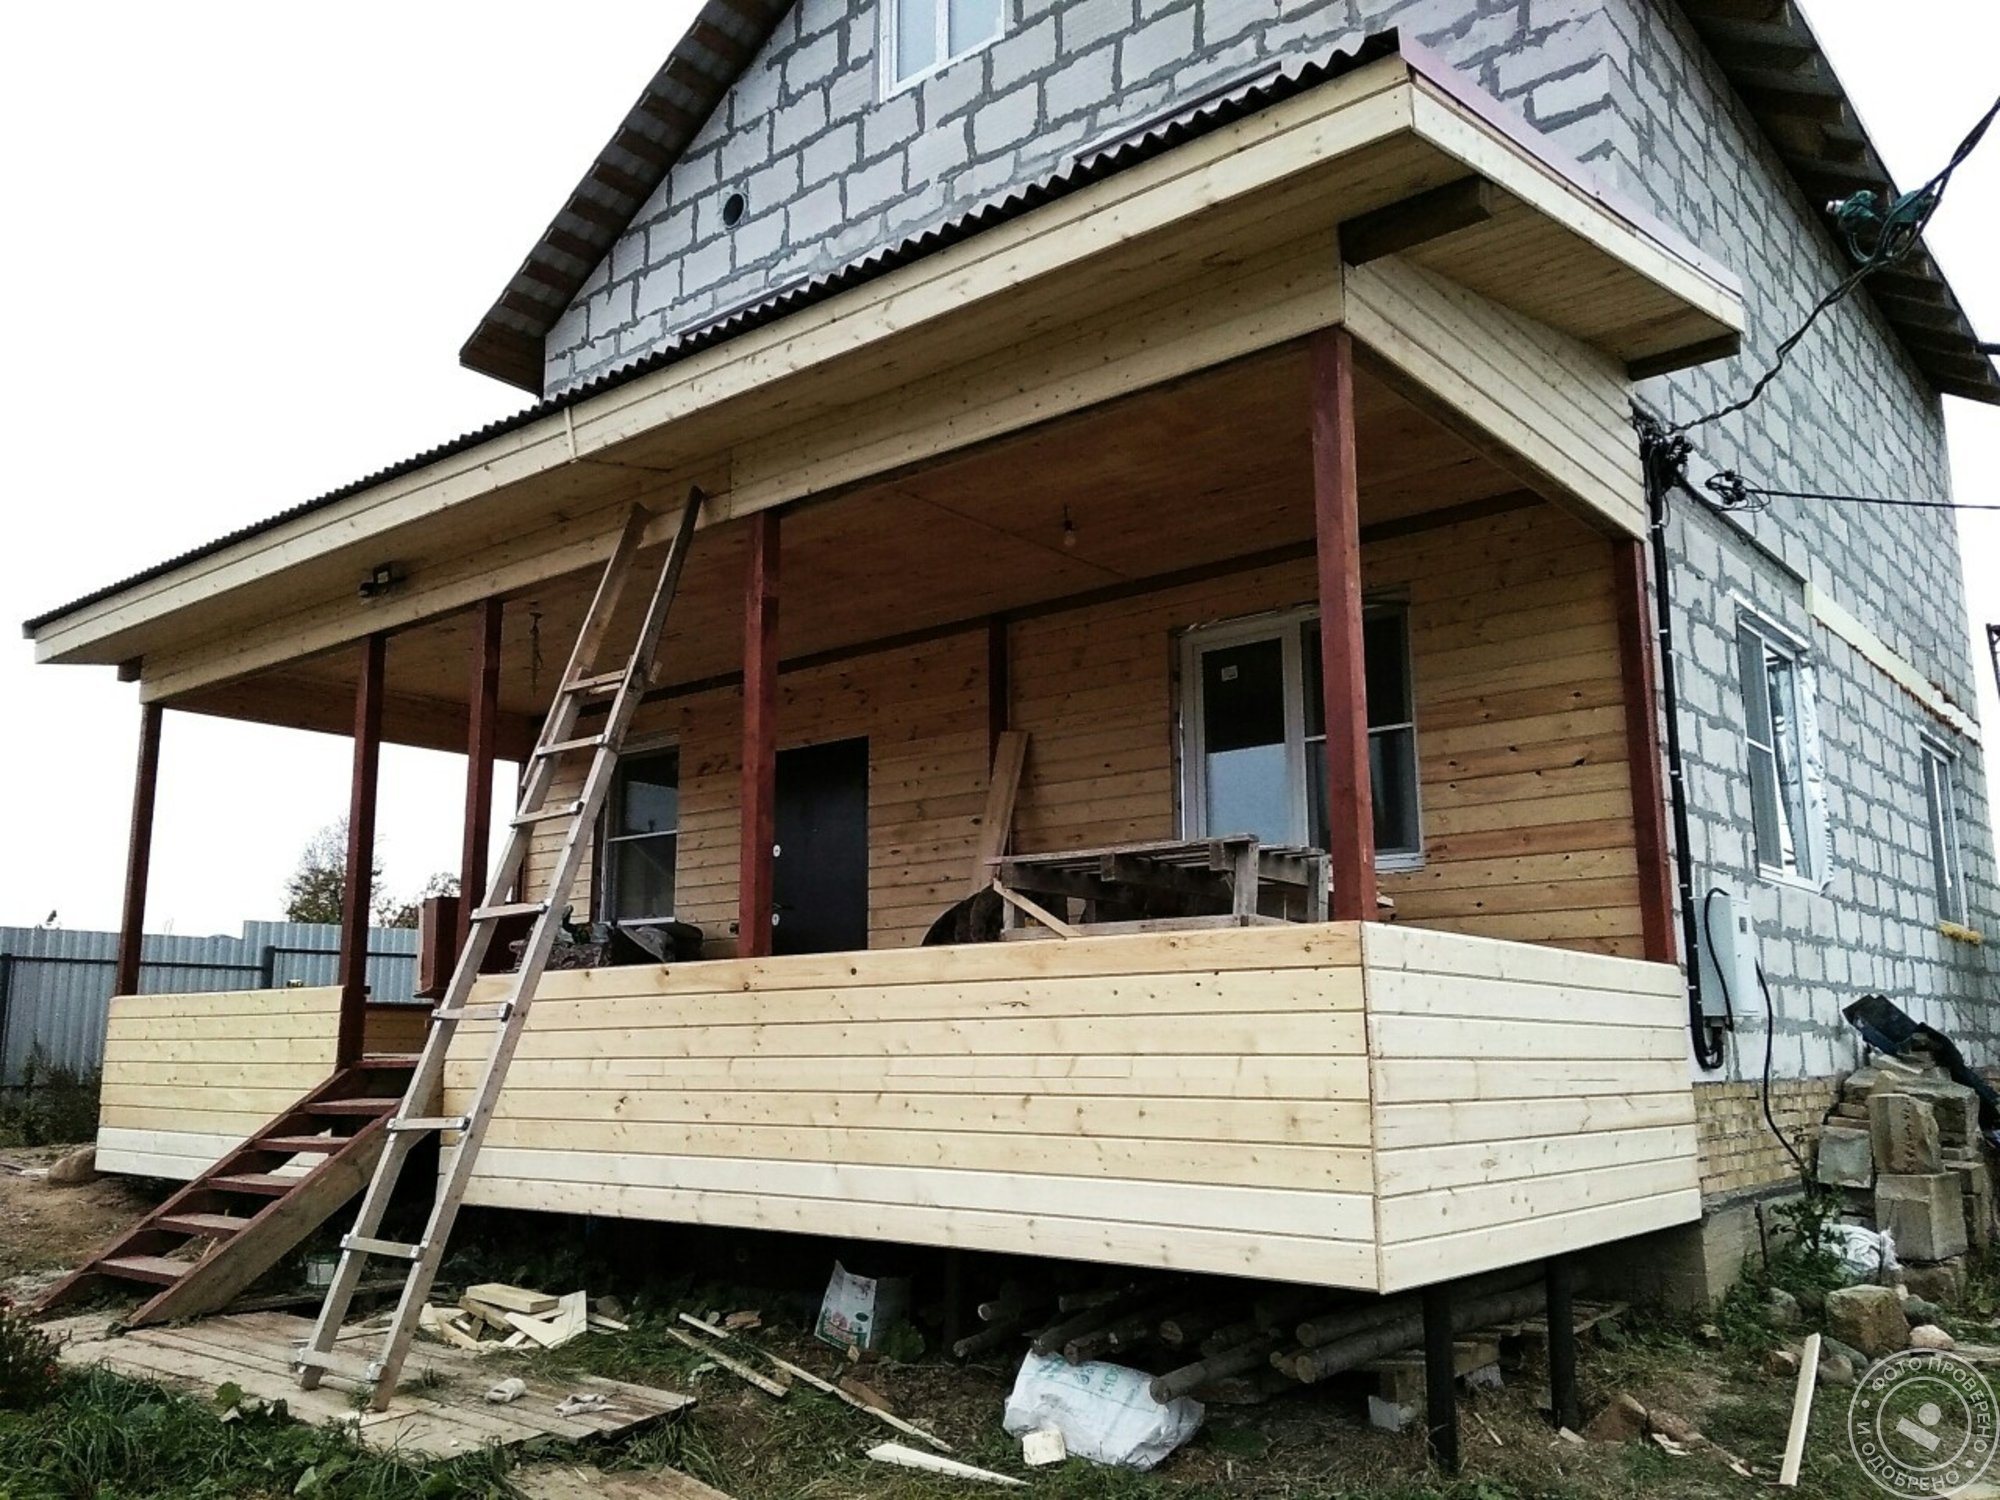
<point>923,710</point>
<point>1527,811</point>
<point>187,1077</point>
<point>1525,1100</point>
<point>1196,1100</point>
<point>1526,790</point>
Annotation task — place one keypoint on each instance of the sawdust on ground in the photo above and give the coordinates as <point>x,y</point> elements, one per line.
<point>45,1230</point>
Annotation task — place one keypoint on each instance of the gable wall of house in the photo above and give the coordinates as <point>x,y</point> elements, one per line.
<point>832,167</point>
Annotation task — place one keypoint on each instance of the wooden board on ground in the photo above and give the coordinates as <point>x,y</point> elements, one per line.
<point>440,1409</point>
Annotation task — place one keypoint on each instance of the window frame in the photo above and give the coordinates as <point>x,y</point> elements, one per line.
<point>1284,626</point>
<point>604,887</point>
<point>1809,848</point>
<point>1939,768</point>
<point>889,44</point>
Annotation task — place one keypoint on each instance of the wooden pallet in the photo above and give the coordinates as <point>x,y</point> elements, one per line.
<point>205,1245</point>
<point>441,1407</point>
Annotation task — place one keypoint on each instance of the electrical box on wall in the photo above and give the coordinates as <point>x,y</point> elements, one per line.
<point>1728,955</point>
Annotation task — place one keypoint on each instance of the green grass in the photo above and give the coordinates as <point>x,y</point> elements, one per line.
<point>104,1437</point>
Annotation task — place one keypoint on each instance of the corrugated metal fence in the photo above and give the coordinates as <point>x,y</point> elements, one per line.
<point>55,986</point>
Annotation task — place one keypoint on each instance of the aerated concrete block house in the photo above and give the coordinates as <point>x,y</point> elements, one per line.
<point>1231,405</point>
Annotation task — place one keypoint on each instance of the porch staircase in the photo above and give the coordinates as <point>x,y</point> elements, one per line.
<point>205,1245</point>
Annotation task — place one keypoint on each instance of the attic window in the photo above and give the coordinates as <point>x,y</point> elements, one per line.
<point>923,35</point>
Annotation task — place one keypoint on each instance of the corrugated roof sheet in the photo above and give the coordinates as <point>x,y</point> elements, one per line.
<point>1092,164</point>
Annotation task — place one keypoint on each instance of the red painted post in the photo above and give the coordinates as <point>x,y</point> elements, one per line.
<point>1637,644</point>
<point>760,739</point>
<point>1343,674</point>
<point>357,893</point>
<point>482,724</point>
<point>138,853</point>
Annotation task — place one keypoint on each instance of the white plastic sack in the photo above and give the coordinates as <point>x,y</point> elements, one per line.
<point>1105,1412</point>
<point>1865,1254</point>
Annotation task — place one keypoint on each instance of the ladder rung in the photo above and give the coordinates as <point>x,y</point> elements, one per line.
<point>429,1122</point>
<point>548,814</point>
<point>333,1364</point>
<point>494,1011</point>
<point>563,747</point>
<point>510,909</point>
<point>603,682</point>
<point>391,1248</point>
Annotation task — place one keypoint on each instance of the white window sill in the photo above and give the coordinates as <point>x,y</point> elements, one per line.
<point>1796,882</point>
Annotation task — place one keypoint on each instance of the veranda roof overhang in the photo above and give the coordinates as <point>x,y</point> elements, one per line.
<point>1198,239</point>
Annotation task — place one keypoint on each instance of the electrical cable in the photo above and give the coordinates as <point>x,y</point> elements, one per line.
<point>1770,1040</point>
<point>1733,492</point>
<point>1898,229</point>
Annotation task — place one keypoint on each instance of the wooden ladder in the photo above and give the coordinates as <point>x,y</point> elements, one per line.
<point>209,1241</point>
<point>412,1119</point>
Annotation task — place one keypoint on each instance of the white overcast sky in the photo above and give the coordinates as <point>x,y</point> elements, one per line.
<point>244,242</point>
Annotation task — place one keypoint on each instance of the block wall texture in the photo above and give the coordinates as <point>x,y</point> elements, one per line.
<point>832,164</point>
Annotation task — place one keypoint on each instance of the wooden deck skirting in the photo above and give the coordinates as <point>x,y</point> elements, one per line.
<point>187,1077</point>
<point>1347,1104</point>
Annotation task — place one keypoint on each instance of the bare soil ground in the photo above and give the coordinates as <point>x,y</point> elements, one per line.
<point>45,1230</point>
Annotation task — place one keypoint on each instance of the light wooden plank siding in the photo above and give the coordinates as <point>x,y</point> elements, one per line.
<point>1550,404</point>
<point>187,1077</point>
<point>1525,790</point>
<point>1194,1100</point>
<point>923,710</point>
<point>1370,1107</point>
<point>1525,1100</point>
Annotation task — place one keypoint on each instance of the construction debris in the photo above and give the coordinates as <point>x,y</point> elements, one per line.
<point>504,1298</point>
<point>487,1318</point>
<point>511,1389</point>
<point>916,1458</point>
<point>1042,1447</point>
<point>737,1368</point>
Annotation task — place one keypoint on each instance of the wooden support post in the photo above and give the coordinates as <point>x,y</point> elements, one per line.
<point>1343,675</point>
<point>1559,1277</point>
<point>138,853</point>
<point>482,724</point>
<point>760,739</point>
<point>1637,647</point>
<point>1440,1380</point>
<point>357,892</point>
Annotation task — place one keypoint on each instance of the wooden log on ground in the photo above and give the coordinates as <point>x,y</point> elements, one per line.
<point>1402,1331</point>
<point>1186,1330</point>
<point>1238,1361</point>
<point>1147,1299</point>
<point>1230,1336</point>
<point>1252,1388</point>
<point>1351,1320</point>
<point>994,1335</point>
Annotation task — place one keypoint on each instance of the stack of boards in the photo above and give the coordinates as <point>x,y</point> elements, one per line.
<point>494,1315</point>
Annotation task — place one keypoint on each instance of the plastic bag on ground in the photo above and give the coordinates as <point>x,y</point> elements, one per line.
<point>1104,1412</point>
<point>1865,1254</point>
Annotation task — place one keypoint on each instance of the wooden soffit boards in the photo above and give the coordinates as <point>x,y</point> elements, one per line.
<point>1194,255</point>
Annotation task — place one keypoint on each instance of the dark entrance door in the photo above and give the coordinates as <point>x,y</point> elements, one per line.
<point>820,875</point>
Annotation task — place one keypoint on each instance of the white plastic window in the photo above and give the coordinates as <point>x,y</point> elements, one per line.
<point>1254,732</point>
<point>924,35</point>
<point>1941,814</point>
<point>642,838</point>
<point>1781,743</point>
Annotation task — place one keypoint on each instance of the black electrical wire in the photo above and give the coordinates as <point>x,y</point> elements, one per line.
<point>1708,931</point>
<point>1770,1041</point>
<point>1734,492</point>
<point>1901,228</point>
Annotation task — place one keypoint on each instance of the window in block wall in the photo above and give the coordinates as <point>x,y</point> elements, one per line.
<point>1781,742</point>
<point>1254,732</point>
<point>641,838</point>
<point>1941,817</point>
<point>923,35</point>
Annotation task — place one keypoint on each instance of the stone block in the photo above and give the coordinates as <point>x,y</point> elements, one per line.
<point>1955,1106</point>
<point>1923,1212</point>
<point>1975,1186</point>
<point>1846,1157</point>
<point>1868,1317</point>
<point>1905,1136</point>
<point>1943,1283</point>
